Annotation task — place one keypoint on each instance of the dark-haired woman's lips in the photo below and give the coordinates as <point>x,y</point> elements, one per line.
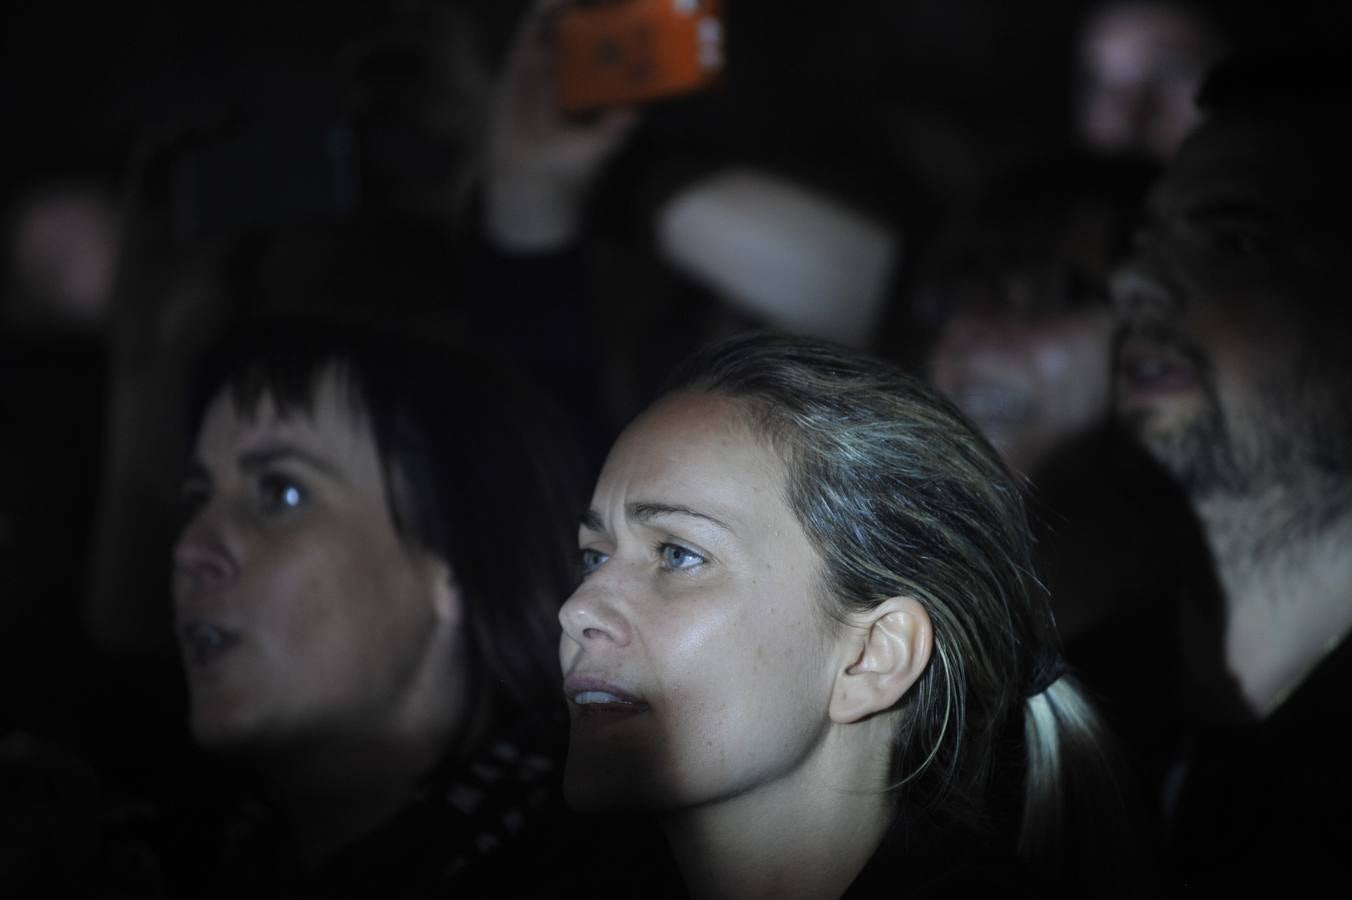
<point>598,698</point>
<point>1147,368</point>
<point>205,643</point>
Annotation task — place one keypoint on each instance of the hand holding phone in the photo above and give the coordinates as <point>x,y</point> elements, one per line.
<point>624,52</point>
<point>541,161</point>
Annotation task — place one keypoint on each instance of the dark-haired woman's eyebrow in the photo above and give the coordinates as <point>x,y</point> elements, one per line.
<point>196,471</point>
<point>263,457</point>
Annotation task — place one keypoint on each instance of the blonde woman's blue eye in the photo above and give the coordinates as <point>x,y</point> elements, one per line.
<point>591,560</point>
<point>674,556</point>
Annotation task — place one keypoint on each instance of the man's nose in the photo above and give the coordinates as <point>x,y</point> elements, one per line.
<point>1140,289</point>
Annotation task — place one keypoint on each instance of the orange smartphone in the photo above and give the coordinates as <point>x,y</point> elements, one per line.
<point>626,52</point>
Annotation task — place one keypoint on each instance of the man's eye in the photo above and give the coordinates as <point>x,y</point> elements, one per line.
<point>1237,235</point>
<point>674,556</point>
<point>278,493</point>
<point>1241,241</point>
<point>591,560</point>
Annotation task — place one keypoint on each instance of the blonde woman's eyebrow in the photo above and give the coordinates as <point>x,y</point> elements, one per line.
<point>591,520</point>
<point>646,512</point>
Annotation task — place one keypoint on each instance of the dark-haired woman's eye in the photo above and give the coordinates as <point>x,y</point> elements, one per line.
<point>674,556</point>
<point>278,493</point>
<point>590,559</point>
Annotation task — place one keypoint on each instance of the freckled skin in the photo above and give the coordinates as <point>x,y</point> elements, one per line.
<point>731,653</point>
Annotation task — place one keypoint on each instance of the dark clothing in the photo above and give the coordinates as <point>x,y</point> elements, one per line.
<point>927,860</point>
<point>474,830</point>
<point>1256,802</point>
<point>493,828</point>
<point>1121,553</point>
<point>65,833</point>
<point>51,424</point>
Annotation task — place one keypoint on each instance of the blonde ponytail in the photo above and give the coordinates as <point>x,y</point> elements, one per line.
<point>1074,808</point>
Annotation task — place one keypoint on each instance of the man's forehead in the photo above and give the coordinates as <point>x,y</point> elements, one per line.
<point>1256,160</point>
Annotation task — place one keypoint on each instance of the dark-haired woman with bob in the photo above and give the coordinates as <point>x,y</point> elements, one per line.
<point>377,540</point>
<point>810,645</point>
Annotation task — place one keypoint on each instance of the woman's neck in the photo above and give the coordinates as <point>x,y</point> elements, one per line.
<point>337,787</point>
<point>806,835</point>
<point>336,795</point>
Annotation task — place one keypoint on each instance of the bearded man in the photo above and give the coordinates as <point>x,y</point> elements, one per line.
<point>1233,370</point>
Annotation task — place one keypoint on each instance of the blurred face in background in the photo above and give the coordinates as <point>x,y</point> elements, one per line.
<point>1233,362</point>
<point>695,655</point>
<point>62,246</point>
<point>301,614</point>
<point>1140,64</point>
<point>1025,352</point>
<point>1029,383</point>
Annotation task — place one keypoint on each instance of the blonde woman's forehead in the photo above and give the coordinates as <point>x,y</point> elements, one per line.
<point>697,451</point>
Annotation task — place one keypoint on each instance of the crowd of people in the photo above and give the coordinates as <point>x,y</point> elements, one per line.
<point>462,496</point>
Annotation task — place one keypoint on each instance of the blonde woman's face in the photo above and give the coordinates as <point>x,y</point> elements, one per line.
<point>697,659</point>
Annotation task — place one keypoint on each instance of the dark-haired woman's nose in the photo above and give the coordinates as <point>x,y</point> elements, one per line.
<point>592,617</point>
<point>203,559</point>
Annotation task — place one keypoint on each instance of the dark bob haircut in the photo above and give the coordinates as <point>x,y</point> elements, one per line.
<point>476,470</point>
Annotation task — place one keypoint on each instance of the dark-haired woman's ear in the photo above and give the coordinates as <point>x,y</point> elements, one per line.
<point>443,590</point>
<point>889,649</point>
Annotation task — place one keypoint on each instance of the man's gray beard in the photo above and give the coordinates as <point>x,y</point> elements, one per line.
<point>1294,464</point>
<point>1200,456</point>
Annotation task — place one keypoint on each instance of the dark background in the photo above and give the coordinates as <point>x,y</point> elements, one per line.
<point>83,82</point>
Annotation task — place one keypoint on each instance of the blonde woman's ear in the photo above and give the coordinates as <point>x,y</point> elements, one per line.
<point>887,655</point>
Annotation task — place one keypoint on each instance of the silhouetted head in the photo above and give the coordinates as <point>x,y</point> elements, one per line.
<point>1233,367</point>
<point>377,542</point>
<point>1139,63</point>
<point>796,544</point>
